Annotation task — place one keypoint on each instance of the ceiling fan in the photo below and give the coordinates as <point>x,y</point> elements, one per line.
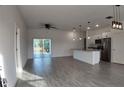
<point>47,26</point>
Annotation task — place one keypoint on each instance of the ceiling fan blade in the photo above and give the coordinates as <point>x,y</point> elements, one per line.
<point>54,27</point>
<point>42,27</point>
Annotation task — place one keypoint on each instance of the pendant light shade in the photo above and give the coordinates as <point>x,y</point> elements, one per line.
<point>80,32</point>
<point>120,26</point>
<point>113,24</point>
<point>116,24</point>
<point>74,34</point>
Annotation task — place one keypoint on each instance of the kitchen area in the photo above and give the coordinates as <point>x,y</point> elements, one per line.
<point>98,51</point>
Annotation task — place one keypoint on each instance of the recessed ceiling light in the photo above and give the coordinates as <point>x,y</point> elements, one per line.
<point>88,27</point>
<point>88,37</point>
<point>80,38</point>
<point>97,25</point>
<point>73,39</point>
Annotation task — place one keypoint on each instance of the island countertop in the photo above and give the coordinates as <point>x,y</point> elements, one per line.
<point>91,56</point>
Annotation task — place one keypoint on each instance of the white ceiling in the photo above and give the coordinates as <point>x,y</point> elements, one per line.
<point>66,17</point>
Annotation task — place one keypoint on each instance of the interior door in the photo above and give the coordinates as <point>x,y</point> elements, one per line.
<point>17,65</point>
<point>17,49</point>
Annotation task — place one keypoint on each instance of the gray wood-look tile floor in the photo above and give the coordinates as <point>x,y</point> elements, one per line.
<point>68,72</point>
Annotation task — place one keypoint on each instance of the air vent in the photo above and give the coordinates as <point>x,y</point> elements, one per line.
<point>109,17</point>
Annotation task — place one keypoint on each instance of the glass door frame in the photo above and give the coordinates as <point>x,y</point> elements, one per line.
<point>50,44</point>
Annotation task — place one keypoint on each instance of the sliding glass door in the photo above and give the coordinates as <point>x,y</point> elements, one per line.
<point>41,47</point>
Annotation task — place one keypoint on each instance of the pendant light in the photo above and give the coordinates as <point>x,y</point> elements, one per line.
<point>116,24</point>
<point>114,21</point>
<point>88,28</point>
<point>74,34</point>
<point>120,25</point>
<point>80,34</point>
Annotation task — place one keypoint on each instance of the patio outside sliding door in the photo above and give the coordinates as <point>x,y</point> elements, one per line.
<point>41,47</point>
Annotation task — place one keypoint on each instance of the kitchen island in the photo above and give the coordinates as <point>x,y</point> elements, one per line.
<point>88,56</point>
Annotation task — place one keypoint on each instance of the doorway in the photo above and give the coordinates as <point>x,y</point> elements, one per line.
<point>41,48</point>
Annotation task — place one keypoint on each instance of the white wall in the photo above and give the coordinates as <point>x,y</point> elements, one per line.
<point>9,16</point>
<point>117,42</point>
<point>62,43</point>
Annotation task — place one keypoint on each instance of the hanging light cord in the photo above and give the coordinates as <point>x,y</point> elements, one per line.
<point>80,30</point>
<point>119,13</point>
<point>114,12</point>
